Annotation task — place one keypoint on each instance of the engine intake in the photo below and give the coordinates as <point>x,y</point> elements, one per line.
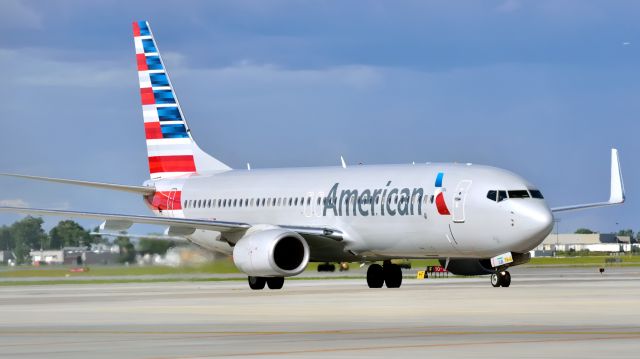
<point>271,253</point>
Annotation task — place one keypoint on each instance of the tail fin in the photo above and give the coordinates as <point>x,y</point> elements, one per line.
<point>171,148</point>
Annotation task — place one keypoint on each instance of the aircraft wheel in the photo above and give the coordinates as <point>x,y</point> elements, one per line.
<point>506,279</point>
<point>275,282</point>
<point>392,275</point>
<point>496,279</point>
<point>256,283</point>
<point>375,276</point>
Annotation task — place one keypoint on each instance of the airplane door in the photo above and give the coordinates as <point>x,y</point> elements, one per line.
<point>171,199</point>
<point>459,200</point>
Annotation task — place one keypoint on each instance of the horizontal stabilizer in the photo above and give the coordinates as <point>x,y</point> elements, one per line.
<point>116,187</point>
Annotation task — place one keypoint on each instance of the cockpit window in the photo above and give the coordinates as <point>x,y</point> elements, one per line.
<point>519,194</point>
<point>536,193</point>
<point>492,195</point>
<point>502,195</point>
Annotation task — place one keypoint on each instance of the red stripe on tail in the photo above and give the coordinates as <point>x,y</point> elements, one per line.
<point>161,164</point>
<point>152,130</point>
<point>142,62</point>
<point>136,29</point>
<point>147,96</point>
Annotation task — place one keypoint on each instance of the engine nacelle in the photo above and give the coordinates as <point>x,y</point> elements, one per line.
<point>473,266</point>
<point>271,253</point>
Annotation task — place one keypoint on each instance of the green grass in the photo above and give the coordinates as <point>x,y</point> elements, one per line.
<point>218,267</point>
<point>627,260</point>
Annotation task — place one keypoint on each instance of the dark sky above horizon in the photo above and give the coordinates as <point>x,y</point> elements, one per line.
<point>541,88</point>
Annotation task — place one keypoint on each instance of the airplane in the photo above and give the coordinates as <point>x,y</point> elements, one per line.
<point>476,220</point>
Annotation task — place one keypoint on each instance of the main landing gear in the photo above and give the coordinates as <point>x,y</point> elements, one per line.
<point>388,274</point>
<point>501,279</point>
<point>257,283</point>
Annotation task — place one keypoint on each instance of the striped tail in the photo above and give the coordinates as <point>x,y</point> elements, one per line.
<point>171,148</point>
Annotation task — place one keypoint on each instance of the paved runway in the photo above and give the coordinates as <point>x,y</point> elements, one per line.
<point>577,315</point>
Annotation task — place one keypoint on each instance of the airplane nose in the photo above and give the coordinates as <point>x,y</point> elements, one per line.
<point>536,222</point>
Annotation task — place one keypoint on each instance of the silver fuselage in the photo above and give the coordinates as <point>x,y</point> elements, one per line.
<point>376,221</point>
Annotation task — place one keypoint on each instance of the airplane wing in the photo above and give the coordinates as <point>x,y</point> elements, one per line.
<point>185,225</point>
<point>616,196</point>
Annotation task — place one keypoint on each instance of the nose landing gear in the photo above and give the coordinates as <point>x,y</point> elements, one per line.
<point>501,279</point>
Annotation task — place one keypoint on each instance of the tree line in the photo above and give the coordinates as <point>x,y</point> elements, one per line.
<point>27,234</point>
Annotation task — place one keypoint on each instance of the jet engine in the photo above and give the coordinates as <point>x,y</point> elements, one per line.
<point>474,266</point>
<point>271,253</point>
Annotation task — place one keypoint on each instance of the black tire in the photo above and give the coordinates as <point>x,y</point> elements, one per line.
<point>392,276</point>
<point>331,268</point>
<point>496,280</point>
<point>275,282</point>
<point>375,276</point>
<point>506,280</point>
<point>256,283</point>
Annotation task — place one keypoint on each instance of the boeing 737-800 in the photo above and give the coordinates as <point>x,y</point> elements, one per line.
<point>474,219</point>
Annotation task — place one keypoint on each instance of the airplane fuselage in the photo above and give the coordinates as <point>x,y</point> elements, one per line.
<point>384,211</point>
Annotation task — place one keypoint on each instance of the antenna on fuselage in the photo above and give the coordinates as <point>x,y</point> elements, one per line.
<point>344,164</point>
<point>248,166</point>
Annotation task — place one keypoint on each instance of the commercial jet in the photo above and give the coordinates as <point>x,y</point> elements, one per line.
<point>475,219</point>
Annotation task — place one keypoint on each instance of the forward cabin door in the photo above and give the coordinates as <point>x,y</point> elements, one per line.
<point>459,200</point>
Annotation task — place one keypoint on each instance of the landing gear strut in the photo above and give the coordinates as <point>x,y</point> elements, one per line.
<point>257,283</point>
<point>501,279</point>
<point>390,275</point>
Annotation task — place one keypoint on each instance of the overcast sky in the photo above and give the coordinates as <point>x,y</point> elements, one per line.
<point>542,88</point>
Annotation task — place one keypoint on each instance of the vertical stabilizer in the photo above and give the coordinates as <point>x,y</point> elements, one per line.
<point>171,149</point>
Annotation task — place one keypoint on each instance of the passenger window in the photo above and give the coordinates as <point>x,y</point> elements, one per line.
<point>536,194</point>
<point>519,194</point>
<point>492,195</point>
<point>502,195</point>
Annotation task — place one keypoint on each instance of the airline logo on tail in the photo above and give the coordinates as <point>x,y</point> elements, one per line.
<point>169,145</point>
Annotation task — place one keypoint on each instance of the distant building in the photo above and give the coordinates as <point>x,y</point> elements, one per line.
<point>596,242</point>
<point>77,255</point>
<point>6,257</point>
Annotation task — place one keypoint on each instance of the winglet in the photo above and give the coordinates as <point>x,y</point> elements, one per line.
<point>617,186</point>
<point>616,195</point>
